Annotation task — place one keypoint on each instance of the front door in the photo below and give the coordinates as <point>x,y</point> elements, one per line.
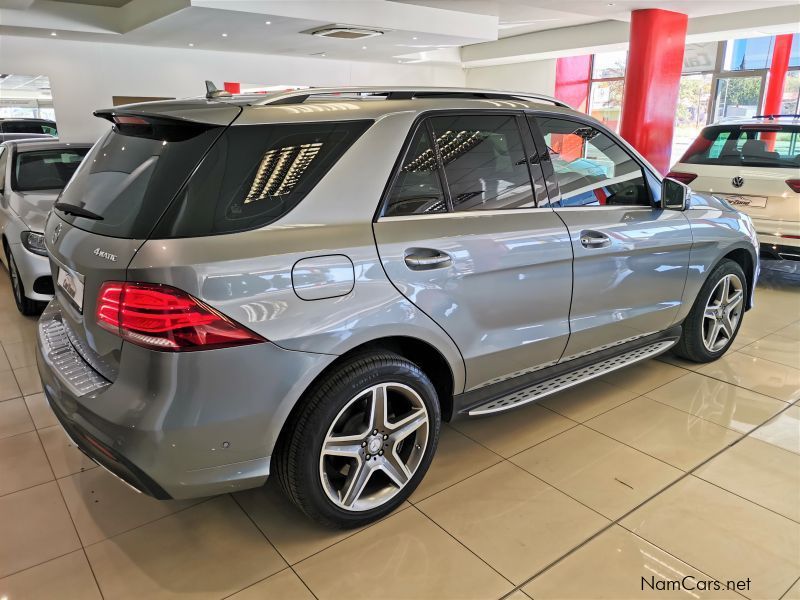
<point>467,237</point>
<point>631,257</point>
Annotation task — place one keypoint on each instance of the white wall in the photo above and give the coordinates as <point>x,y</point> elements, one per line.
<point>84,75</point>
<point>537,76</point>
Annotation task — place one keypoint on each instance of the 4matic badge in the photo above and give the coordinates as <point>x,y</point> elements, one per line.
<point>104,254</point>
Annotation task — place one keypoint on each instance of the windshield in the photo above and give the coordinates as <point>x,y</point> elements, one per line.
<point>767,145</point>
<point>46,169</point>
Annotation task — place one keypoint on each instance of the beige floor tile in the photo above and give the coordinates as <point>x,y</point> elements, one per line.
<point>417,560</point>
<point>28,380</point>
<point>21,354</point>
<point>761,472</point>
<point>15,328</point>
<point>64,456</point>
<point>512,520</point>
<point>67,577</point>
<point>8,386</point>
<point>102,506</point>
<point>208,551</point>
<point>600,472</point>
<point>293,534</point>
<point>34,527</point>
<point>643,377</point>
<point>743,338</point>
<point>518,595</point>
<point>677,361</point>
<point>779,349</point>
<point>515,430</point>
<point>722,403</point>
<point>23,463</point>
<point>791,331</point>
<point>666,433</point>
<point>14,417</point>
<point>4,364</point>
<point>587,400</point>
<point>457,457</point>
<point>723,535</point>
<point>757,374</point>
<point>281,586</point>
<point>613,566</point>
<point>782,430</point>
<point>794,592</point>
<point>40,410</point>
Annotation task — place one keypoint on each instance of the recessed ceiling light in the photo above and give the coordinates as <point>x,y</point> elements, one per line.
<point>612,3</point>
<point>267,22</point>
<point>224,35</point>
<point>363,47</point>
<point>414,38</point>
<point>53,33</point>
<point>323,55</point>
<point>191,44</point>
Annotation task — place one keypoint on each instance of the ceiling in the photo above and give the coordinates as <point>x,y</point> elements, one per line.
<point>414,31</point>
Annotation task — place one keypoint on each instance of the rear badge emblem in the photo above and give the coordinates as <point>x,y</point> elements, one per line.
<point>56,233</point>
<point>104,254</point>
<point>737,182</point>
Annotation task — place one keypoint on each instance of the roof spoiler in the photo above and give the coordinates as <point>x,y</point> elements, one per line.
<point>212,91</point>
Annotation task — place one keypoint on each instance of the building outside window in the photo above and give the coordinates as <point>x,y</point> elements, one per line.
<point>607,85</point>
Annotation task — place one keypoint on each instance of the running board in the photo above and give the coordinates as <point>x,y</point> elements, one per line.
<point>567,380</point>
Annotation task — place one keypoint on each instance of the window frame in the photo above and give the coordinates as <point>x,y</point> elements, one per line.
<point>424,119</point>
<point>652,179</point>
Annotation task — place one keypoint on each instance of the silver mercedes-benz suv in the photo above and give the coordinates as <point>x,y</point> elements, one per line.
<point>306,284</point>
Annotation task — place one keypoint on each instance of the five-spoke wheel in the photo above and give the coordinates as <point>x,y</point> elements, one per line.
<point>723,311</point>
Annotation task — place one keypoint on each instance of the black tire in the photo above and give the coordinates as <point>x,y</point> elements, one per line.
<point>296,460</point>
<point>691,345</point>
<point>24,304</point>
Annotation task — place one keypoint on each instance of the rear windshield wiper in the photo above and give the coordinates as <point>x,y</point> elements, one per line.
<point>71,209</point>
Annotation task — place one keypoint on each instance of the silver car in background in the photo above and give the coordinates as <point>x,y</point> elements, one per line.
<point>32,175</point>
<point>306,284</point>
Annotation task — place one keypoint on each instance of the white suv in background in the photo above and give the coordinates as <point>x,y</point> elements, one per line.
<point>754,164</point>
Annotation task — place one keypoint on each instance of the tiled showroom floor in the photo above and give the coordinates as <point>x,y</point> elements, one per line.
<point>665,469</point>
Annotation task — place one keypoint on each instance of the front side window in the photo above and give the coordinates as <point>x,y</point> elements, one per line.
<point>417,188</point>
<point>46,169</point>
<point>484,162</point>
<point>591,168</point>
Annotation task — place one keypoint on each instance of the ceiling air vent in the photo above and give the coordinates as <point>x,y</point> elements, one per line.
<point>344,32</point>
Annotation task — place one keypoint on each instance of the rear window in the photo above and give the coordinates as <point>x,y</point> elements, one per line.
<point>773,146</point>
<point>202,180</point>
<point>45,169</point>
<point>255,174</point>
<point>46,127</point>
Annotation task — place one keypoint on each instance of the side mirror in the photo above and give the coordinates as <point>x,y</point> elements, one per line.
<point>674,195</point>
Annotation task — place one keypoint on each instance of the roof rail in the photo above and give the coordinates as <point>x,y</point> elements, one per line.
<point>403,93</point>
<point>776,116</point>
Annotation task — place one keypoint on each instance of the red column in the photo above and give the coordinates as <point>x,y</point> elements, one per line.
<point>573,78</point>
<point>234,87</point>
<point>776,77</point>
<point>652,78</point>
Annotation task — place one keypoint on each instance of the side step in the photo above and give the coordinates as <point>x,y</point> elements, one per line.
<point>567,380</point>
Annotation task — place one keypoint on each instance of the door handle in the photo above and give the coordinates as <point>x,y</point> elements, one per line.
<point>594,239</point>
<point>422,259</point>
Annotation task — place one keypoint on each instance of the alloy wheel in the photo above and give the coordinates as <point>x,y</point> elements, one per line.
<point>722,313</point>
<point>374,446</point>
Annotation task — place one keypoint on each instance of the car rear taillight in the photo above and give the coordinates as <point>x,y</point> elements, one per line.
<point>161,317</point>
<point>794,184</point>
<point>685,178</point>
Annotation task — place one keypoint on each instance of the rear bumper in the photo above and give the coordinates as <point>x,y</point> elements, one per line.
<point>177,425</point>
<point>778,238</point>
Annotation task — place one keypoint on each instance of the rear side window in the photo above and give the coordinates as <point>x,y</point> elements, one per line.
<point>768,145</point>
<point>255,174</point>
<point>417,188</point>
<point>47,128</point>
<point>484,162</point>
<point>45,169</point>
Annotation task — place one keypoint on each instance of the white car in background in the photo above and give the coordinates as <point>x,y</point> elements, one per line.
<point>754,164</point>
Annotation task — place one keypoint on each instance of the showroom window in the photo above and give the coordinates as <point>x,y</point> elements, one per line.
<point>592,169</point>
<point>607,86</point>
<point>484,162</point>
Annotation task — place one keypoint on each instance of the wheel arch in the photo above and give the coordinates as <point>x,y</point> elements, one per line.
<point>745,259</point>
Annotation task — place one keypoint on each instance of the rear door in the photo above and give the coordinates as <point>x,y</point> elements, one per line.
<point>467,234</point>
<point>631,257</point>
<point>109,208</point>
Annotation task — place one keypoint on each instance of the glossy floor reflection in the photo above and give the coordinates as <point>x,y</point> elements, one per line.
<point>662,472</point>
